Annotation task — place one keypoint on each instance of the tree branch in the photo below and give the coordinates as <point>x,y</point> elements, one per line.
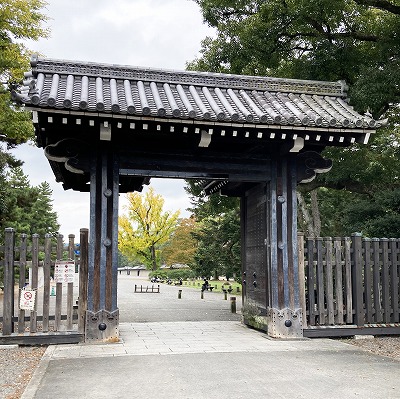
<point>348,185</point>
<point>384,5</point>
<point>228,14</point>
<point>365,37</point>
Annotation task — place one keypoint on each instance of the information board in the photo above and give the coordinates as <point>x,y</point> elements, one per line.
<point>64,272</point>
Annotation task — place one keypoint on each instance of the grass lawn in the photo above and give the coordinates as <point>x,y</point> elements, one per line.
<point>218,285</point>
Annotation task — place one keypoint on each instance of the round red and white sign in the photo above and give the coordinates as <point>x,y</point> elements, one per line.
<point>28,295</point>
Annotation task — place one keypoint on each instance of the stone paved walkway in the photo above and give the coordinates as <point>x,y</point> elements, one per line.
<point>167,338</point>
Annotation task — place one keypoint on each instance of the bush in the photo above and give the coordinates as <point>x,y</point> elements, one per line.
<point>162,274</point>
<point>173,274</point>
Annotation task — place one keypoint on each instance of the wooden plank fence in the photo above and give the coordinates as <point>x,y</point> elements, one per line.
<point>52,320</point>
<point>351,285</point>
<point>348,286</point>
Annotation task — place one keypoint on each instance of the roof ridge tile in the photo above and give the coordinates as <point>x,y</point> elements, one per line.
<point>210,79</point>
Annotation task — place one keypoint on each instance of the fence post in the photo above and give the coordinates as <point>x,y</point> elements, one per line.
<point>385,280</point>
<point>357,279</point>
<point>376,281</point>
<point>337,245</point>
<point>34,282</point>
<point>329,281</point>
<point>59,286</point>
<point>302,279</point>
<point>348,280</point>
<point>8,303</point>
<point>83,279</point>
<point>368,281</point>
<point>320,281</point>
<point>22,280</point>
<point>46,279</point>
<point>70,286</point>
<point>394,293</point>
<point>311,281</point>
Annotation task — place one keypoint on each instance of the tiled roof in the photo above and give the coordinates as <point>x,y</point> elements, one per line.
<point>122,90</point>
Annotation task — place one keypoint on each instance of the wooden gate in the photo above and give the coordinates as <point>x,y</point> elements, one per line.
<point>57,311</point>
<point>254,233</point>
<point>351,285</point>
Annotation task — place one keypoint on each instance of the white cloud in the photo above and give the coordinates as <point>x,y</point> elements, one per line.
<point>153,33</point>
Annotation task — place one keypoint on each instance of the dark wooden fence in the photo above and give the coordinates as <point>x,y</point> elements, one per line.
<point>351,285</point>
<point>55,317</point>
<point>348,286</point>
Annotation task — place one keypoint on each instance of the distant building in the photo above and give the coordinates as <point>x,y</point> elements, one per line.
<point>139,271</point>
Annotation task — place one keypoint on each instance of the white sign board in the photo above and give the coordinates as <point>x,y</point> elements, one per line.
<point>64,272</point>
<point>27,300</point>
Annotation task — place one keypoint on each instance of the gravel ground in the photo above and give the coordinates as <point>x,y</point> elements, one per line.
<point>17,364</point>
<point>384,346</point>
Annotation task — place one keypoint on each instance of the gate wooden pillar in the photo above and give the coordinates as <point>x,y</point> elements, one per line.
<point>270,261</point>
<point>283,311</point>
<point>270,249</point>
<point>102,316</point>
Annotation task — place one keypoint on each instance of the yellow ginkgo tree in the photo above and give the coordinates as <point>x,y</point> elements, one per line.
<point>145,227</point>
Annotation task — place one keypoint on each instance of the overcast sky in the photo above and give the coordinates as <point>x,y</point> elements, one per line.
<point>149,33</point>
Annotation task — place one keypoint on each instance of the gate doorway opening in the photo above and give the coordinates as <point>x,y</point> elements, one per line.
<point>171,303</point>
<point>109,129</point>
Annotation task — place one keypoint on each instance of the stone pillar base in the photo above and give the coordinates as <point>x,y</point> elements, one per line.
<point>102,326</point>
<point>285,323</point>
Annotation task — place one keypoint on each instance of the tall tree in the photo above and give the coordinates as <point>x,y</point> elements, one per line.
<point>146,226</point>
<point>354,40</point>
<point>217,232</point>
<point>362,175</point>
<point>19,20</point>
<point>29,208</point>
<point>181,246</point>
<point>218,251</point>
<point>351,40</point>
<point>43,218</point>
<point>205,205</point>
<point>18,201</point>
